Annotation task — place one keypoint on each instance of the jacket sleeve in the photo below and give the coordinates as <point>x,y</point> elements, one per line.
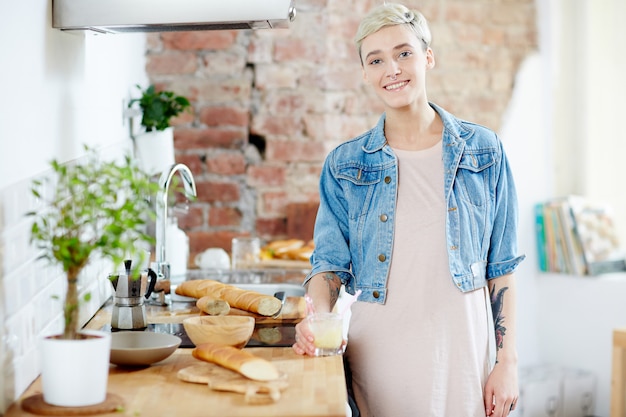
<point>503,258</point>
<point>331,233</point>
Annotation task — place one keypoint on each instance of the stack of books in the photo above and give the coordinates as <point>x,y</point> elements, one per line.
<point>578,237</point>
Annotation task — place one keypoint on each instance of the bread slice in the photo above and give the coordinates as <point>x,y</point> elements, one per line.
<point>213,306</point>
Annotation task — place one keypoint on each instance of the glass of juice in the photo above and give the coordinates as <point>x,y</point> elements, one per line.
<point>327,329</point>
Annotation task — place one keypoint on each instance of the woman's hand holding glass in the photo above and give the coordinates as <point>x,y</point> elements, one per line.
<point>320,334</point>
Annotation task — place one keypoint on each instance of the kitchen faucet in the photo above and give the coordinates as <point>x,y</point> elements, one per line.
<point>161,265</point>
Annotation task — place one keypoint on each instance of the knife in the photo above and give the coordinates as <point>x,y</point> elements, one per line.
<point>281,296</point>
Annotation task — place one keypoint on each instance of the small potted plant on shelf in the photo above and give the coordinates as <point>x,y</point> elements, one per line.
<point>155,146</point>
<point>88,208</point>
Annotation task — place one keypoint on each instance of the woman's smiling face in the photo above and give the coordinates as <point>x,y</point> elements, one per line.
<point>395,65</point>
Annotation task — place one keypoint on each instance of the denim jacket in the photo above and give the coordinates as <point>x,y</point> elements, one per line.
<point>354,227</point>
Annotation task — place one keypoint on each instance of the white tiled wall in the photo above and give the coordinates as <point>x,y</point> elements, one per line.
<point>30,294</point>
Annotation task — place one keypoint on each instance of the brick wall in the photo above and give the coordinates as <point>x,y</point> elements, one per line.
<point>269,105</point>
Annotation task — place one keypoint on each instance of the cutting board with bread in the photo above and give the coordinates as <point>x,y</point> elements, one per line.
<point>226,368</point>
<point>218,298</point>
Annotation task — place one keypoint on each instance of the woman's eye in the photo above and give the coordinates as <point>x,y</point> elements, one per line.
<point>405,54</point>
<point>375,61</point>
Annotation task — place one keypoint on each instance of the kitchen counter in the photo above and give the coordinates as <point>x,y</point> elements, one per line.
<point>316,386</point>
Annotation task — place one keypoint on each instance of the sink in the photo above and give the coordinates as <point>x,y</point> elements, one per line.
<point>284,334</point>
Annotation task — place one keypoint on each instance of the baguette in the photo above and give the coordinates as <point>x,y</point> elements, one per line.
<point>289,249</point>
<point>280,248</point>
<point>238,360</point>
<point>301,254</point>
<point>213,306</point>
<point>265,305</point>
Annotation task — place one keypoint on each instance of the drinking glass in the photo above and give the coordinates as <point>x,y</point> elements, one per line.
<point>327,329</point>
<point>246,253</point>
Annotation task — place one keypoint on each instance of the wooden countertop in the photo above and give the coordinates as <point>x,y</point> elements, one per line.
<point>618,377</point>
<point>316,388</point>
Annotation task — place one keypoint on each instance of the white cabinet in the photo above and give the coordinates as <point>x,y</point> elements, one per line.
<point>547,391</point>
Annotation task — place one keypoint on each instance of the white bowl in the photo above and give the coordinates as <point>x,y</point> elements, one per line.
<point>129,348</point>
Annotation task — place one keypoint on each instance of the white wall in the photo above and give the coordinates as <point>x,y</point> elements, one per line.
<point>605,90</point>
<point>522,133</point>
<point>589,39</point>
<point>562,135</point>
<point>59,90</point>
<point>577,315</point>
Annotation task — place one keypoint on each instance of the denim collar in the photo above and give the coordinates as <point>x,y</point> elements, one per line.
<point>454,132</point>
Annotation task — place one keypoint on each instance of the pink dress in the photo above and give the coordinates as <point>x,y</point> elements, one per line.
<point>426,351</point>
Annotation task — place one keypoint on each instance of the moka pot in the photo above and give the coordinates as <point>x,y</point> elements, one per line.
<point>129,311</point>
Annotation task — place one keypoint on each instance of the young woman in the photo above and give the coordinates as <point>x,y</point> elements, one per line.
<point>420,214</point>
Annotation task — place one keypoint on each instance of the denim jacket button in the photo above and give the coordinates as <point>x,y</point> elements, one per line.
<point>383,217</point>
<point>387,179</point>
<point>382,257</point>
<point>375,294</point>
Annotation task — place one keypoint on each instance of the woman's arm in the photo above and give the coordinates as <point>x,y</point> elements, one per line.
<point>501,389</point>
<point>323,289</point>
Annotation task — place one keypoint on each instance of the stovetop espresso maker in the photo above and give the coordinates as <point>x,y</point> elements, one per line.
<point>129,311</point>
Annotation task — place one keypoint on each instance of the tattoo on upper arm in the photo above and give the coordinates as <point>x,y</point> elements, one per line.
<point>497,302</point>
<point>334,286</point>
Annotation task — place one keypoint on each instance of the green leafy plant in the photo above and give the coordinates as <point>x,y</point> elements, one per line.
<point>159,107</point>
<point>88,208</point>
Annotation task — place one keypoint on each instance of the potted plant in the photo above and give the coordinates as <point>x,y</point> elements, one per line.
<point>89,208</point>
<point>155,146</point>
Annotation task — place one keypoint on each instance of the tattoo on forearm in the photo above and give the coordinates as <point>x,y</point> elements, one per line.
<point>497,302</point>
<point>334,285</point>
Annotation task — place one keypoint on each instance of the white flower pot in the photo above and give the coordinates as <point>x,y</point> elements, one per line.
<point>155,150</point>
<point>74,373</point>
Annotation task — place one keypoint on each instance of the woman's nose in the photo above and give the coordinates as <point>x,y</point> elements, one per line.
<point>393,70</point>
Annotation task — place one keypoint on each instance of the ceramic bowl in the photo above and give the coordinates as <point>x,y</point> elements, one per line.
<point>135,348</point>
<point>225,330</point>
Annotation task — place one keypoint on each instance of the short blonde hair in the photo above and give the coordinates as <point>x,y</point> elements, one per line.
<point>392,14</point>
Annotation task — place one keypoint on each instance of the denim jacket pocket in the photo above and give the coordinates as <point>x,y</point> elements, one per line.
<point>359,174</point>
<point>359,187</point>
<point>474,177</point>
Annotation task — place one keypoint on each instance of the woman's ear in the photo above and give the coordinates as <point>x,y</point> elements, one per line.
<point>430,59</point>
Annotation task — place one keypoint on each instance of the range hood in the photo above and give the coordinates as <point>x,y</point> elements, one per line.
<point>124,16</point>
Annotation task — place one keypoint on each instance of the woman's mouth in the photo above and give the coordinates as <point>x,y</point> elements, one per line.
<point>396,86</point>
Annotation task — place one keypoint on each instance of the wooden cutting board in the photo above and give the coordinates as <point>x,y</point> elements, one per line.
<point>294,310</point>
<point>221,379</point>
